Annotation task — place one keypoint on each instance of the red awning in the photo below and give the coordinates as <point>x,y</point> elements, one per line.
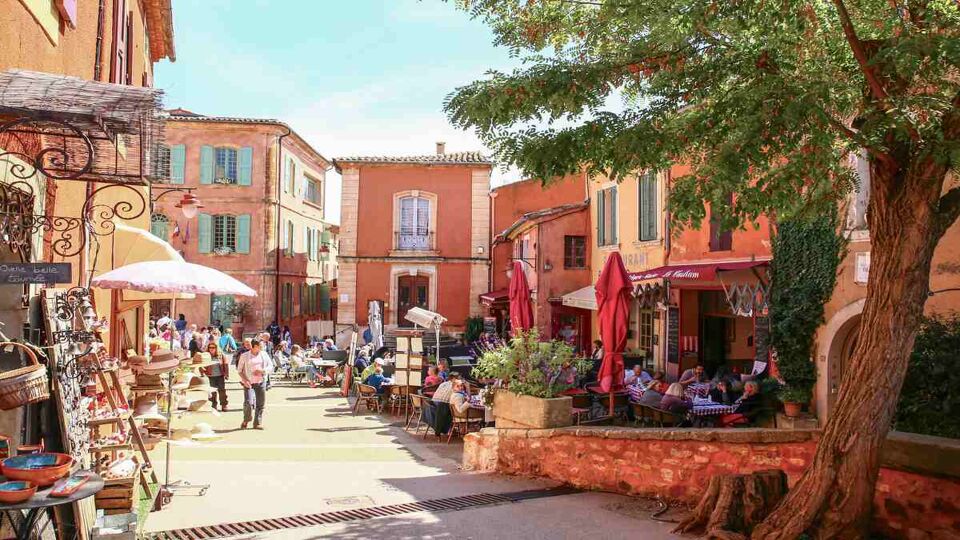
<point>698,272</point>
<point>493,297</point>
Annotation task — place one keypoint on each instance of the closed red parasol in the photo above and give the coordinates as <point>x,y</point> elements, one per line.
<point>613,292</point>
<point>521,312</point>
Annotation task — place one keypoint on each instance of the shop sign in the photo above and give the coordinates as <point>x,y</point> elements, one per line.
<point>19,273</point>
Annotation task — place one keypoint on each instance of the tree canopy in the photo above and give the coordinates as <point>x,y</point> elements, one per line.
<point>762,98</point>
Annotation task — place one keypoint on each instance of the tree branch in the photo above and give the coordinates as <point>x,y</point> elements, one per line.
<point>857,138</point>
<point>876,88</point>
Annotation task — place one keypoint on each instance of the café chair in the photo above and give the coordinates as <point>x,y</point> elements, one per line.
<point>369,397</point>
<point>416,413</point>
<point>462,422</point>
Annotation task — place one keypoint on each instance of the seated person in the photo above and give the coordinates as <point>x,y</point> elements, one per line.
<point>377,362</point>
<point>750,401</point>
<point>567,375</point>
<point>432,377</point>
<point>723,393</point>
<point>361,362</point>
<point>329,345</point>
<point>658,382</point>
<point>445,390</point>
<point>674,401</point>
<point>460,398</point>
<point>696,374</point>
<point>376,379</point>
<point>635,375</point>
<point>652,395</point>
<point>443,370</point>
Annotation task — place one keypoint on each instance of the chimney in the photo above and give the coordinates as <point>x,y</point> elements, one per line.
<point>441,148</point>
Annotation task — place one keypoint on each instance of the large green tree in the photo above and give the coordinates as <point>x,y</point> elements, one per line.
<point>765,99</point>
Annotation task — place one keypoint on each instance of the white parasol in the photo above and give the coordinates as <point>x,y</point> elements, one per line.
<point>171,277</point>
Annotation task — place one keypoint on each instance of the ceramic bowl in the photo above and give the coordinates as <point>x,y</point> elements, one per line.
<point>41,469</point>
<point>16,492</point>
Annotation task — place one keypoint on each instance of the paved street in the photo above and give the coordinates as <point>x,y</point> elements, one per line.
<point>315,456</point>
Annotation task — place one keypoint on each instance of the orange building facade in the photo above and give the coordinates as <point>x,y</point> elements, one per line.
<point>261,186</point>
<point>414,231</point>
<point>548,230</point>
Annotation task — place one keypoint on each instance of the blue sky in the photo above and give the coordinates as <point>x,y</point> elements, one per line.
<point>353,77</point>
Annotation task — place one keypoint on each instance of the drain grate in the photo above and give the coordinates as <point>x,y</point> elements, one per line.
<point>451,504</point>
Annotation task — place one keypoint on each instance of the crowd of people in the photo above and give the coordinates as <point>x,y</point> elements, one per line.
<point>256,358</point>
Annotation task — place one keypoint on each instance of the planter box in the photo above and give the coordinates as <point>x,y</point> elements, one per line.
<point>527,412</point>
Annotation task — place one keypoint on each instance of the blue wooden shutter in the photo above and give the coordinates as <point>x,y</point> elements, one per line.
<point>205,233</point>
<point>178,159</point>
<point>245,165</point>
<point>206,164</point>
<point>243,233</point>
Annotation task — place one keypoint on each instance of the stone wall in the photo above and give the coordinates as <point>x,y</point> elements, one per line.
<point>918,492</point>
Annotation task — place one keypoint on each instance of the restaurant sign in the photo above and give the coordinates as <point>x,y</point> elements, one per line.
<point>48,273</point>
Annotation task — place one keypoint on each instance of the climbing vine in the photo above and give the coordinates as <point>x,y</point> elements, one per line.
<point>806,253</point>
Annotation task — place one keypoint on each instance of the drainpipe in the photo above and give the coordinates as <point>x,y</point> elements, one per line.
<point>276,277</point>
<point>97,69</point>
<point>490,233</point>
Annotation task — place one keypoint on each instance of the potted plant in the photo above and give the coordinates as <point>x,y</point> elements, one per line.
<point>532,374</point>
<point>793,398</point>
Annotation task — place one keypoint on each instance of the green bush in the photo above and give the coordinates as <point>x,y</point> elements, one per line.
<point>806,253</point>
<point>473,328</point>
<point>528,366</point>
<point>929,402</point>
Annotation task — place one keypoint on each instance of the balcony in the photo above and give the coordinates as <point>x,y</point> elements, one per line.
<point>405,242</point>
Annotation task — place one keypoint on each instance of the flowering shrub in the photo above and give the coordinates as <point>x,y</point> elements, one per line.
<point>530,367</point>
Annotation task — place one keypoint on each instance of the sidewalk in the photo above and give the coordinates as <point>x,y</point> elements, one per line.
<point>316,456</point>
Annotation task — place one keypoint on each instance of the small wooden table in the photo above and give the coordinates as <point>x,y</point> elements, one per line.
<point>42,500</point>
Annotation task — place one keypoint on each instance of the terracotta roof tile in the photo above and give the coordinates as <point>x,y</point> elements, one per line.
<point>454,158</point>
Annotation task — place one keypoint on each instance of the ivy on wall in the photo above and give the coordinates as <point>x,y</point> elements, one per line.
<point>806,253</point>
<point>929,402</point>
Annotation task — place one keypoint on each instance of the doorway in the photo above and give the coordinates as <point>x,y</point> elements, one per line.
<point>714,343</point>
<point>412,291</point>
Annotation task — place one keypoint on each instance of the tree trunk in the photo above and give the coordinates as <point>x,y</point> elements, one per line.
<point>734,503</point>
<point>833,498</point>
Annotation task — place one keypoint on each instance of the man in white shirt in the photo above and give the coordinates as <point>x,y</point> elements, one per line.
<point>635,375</point>
<point>164,321</point>
<point>254,367</point>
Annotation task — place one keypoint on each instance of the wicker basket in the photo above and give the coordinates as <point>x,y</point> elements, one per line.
<point>24,385</point>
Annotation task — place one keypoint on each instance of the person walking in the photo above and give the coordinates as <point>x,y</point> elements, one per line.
<point>218,373</point>
<point>254,367</point>
<point>228,345</point>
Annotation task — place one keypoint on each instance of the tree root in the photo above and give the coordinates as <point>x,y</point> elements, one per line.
<point>735,503</point>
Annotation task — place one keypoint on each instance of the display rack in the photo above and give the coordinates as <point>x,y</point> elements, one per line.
<point>409,360</point>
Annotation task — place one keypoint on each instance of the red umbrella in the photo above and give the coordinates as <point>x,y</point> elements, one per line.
<point>613,291</point>
<point>521,312</point>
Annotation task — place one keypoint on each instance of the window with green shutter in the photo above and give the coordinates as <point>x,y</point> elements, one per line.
<point>245,166</point>
<point>607,216</point>
<point>647,207</point>
<point>159,225</point>
<point>243,233</point>
<point>205,233</point>
<point>178,161</point>
<point>161,164</point>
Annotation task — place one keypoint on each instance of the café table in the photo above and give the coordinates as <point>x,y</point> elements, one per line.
<point>41,501</point>
<point>328,368</point>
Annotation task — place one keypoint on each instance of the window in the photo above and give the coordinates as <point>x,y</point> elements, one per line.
<point>647,207</point>
<point>159,224</point>
<point>225,165</point>
<point>720,239</point>
<point>313,192</point>
<point>289,243</point>
<point>645,332</point>
<point>161,163</point>
<point>122,45</point>
<point>414,231</point>
<point>607,216</point>
<point>225,233</point>
<point>286,301</point>
<point>221,309</point>
<point>291,179</point>
<point>574,252</point>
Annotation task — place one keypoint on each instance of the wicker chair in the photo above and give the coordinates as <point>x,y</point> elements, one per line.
<point>367,395</point>
<point>416,413</point>
<point>473,416</point>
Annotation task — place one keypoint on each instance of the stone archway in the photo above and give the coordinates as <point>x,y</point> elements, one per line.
<point>835,346</point>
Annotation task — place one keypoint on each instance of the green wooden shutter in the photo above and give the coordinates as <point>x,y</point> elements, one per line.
<point>158,227</point>
<point>306,242</point>
<point>245,166</point>
<point>614,233</point>
<point>206,164</point>
<point>650,207</point>
<point>205,233</point>
<point>243,233</point>
<point>601,240</point>
<point>178,159</point>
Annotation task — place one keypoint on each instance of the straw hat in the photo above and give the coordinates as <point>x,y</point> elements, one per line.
<point>200,359</point>
<point>145,408</point>
<point>137,360</point>
<point>148,380</point>
<point>162,361</point>
<point>202,406</point>
<point>200,383</point>
<point>204,432</point>
<point>182,381</point>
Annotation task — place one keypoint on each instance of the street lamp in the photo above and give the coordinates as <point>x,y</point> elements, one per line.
<point>189,204</point>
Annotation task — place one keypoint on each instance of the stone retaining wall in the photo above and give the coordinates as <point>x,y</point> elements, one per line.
<point>918,492</point>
